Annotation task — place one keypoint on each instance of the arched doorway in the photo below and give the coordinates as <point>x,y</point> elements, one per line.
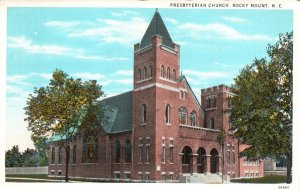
<point>201,160</point>
<point>214,164</point>
<point>186,160</point>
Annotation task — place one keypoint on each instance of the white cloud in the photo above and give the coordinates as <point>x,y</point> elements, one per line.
<point>123,73</point>
<point>214,74</point>
<point>123,13</point>
<point>173,21</point>
<point>114,31</point>
<point>29,47</point>
<point>16,90</point>
<point>234,19</point>
<point>217,30</point>
<point>89,76</point>
<point>61,24</point>
<point>124,81</point>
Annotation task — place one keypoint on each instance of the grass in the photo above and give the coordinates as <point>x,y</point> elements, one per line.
<point>9,178</point>
<point>265,179</point>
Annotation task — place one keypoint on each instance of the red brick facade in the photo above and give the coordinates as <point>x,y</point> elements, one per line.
<point>164,145</point>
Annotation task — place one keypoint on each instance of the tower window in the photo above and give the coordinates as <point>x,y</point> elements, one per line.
<point>211,123</point>
<point>162,71</point>
<point>150,71</point>
<point>168,114</point>
<point>174,75</point>
<point>144,73</point>
<point>139,74</point>
<point>144,113</point>
<point>168,73</point>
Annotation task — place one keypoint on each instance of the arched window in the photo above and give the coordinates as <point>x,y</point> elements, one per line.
<point>193,117</point>
<point>162,71</point>
<point>144,73</point>
<point>59,155</point>
<point>139,74</point>
<point>214,102</point>
<point>74,154</point>
<point>182,116</point>
<point>90,149</point>
<point>53,156</point>
<point>117,152</point>
<point>150,71</point>
<point>128,151</point>
<point>144,113</point>
<point>174,75</point>
<point>167,114</point>
<point>168,73</point>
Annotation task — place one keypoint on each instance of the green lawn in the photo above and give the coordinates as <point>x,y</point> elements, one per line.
<point>9,178</point>
<point>265,179</point>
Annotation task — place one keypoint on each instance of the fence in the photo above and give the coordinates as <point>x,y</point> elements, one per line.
<point>27,170</point>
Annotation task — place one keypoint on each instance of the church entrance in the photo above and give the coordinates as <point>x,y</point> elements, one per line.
<point>187,162</point>
<point>214,164</point>
<point>201,160</point>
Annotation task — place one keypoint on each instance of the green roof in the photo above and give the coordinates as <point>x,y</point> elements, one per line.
<point>118,113</point>
<point>157,27</point>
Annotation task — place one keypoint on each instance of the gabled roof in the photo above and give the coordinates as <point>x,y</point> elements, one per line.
<point>182,77</point>
<point>157,27</point>
<point>118,113</point>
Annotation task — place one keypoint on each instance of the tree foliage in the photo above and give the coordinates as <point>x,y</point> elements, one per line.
<point>28,158</point>
<point>262,106</point>
<point>63,108</point>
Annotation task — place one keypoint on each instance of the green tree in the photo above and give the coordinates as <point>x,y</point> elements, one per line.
<point>28,158</point>
<point>40,145</point>
<point>262,108</point>
<point>63,108</point>
<point>13,157</point>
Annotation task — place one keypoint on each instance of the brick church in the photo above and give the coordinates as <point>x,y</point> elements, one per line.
<point>159,131</point>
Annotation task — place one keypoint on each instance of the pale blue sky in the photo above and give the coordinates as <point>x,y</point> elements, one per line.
<point>97,43</point>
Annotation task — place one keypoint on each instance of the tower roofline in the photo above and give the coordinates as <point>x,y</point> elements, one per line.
<point>157,27</point>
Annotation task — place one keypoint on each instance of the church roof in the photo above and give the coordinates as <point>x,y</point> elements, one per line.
<point>157,27</point>
<point>118,113</point>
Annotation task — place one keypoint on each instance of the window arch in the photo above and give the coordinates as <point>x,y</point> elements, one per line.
<point>117,151</point>
<point>144,113</point>
<point>174,75</point>
<point>182,116</point>
<point>139,74</point>
<point>74,154</point>
<point>53,156</point>
<point>144,73</point>
<point>150,71</point>
<point>193,118</point>
<point>59,155</point>
<point>162,71</point>
<point>168,73</point>
<point>128,151</point>
<point>167,114</point>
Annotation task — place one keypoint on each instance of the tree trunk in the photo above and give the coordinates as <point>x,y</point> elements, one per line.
<point>289,167</point>
<point>67,162</point>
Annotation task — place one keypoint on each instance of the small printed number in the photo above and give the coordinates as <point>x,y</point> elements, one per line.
<point>283,187</point>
